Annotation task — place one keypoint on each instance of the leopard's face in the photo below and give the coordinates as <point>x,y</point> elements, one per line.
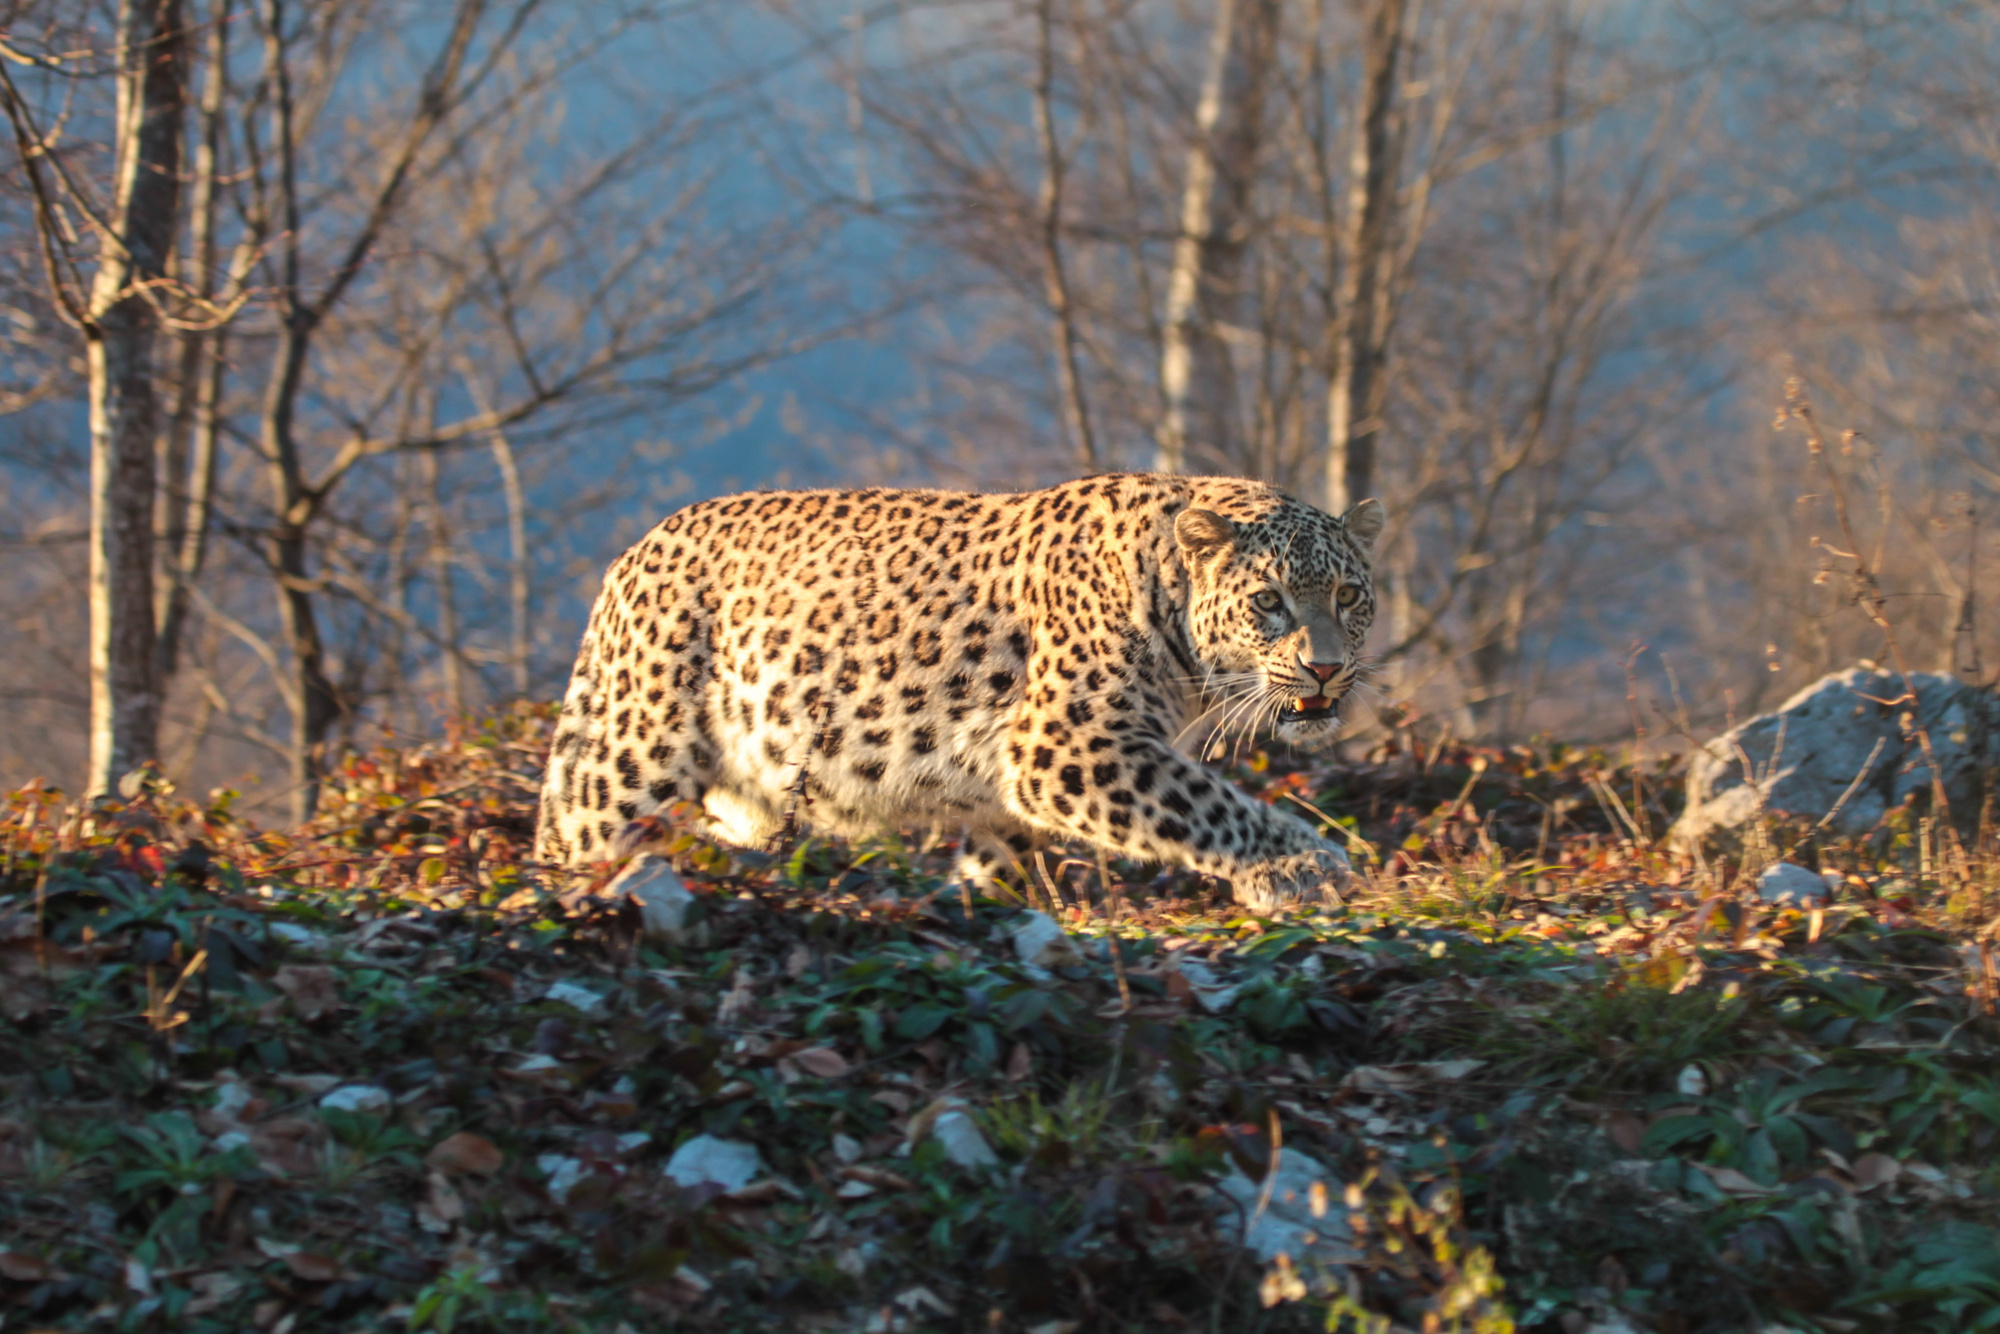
<point>1278,609</point>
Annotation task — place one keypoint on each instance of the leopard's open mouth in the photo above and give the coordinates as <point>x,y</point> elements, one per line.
<point>1307,709</point>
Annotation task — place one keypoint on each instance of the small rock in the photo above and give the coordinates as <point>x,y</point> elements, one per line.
<point>1041,943</point>
<point>1692,1082</point>
<point>302,937</point>
<point>563,1173</point>
<point>1209,990</point>
<point>357,1098</point>
<point>1287,1225</point>
<point>663,900</point>
<point>730,1164</point>
<point>231,1097</point>
<point>578,998</point>
<point>1791,885</point>
<point>963,1144</point>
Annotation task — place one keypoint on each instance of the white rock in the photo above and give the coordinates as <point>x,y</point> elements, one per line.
<point>1287,1225</point>
<point>563,1173</point>
<point>730,1164</point>
<point>1209,990</point>
<point>232,1096</point>
<point>1791,885</point>
<point>1692,1082</point>
<point>663,900</point>
<point>294,934</point>
<point>579,998</point>
<point>1829,730</point>
<point>963,1144</point>
<point>1042,944</point>
<point>357,1098</point>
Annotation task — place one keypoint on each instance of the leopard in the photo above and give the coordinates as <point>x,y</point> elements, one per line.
<point>1024,671</point>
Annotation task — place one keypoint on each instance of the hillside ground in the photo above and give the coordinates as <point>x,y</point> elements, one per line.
<point>383,1073</point>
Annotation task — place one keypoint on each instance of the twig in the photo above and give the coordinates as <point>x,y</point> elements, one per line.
<point>1834,810</point>
<point>1869,597</point>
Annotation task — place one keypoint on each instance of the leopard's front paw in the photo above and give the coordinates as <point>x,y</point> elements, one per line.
<point>1283,882</point>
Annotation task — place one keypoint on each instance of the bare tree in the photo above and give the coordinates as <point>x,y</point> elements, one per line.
<point>1222,161</point>
<point>134,231</point>
<point>1355,396</point>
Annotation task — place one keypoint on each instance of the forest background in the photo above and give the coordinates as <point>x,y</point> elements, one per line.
<point>391,321</point>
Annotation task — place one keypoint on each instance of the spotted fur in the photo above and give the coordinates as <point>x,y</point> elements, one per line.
<point>1033,668</point>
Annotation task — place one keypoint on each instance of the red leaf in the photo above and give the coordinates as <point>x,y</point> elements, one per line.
<point>466,1154</point>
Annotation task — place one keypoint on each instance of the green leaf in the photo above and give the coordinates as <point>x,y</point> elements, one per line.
<point>1670,1132</point>
<point>921,1020</point>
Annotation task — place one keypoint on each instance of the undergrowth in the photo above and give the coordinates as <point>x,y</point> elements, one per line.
<point>385,1073</point>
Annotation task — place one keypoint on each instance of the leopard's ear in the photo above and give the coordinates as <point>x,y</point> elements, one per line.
<point>1203,533</point>
<point>1364,524</point>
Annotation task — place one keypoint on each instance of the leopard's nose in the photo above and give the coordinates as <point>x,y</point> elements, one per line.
<point>1321,671</point>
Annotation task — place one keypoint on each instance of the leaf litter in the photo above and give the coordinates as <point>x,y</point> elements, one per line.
<point>385,1073</point>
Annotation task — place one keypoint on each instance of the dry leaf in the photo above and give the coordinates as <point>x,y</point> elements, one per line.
<point>877,1176</point>
<point>466,1154</point>
<point>313,1268</point>
<point>1875,1169</point>
<point>313,989</point>
<point>1628,1132</point>
<point>442,1207</point>
<point>822,1061</point>
<point>1734,1182</point>
<point>1021,1061</point>
<point>24,1268</point>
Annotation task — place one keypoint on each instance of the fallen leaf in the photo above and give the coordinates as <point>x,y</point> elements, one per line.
<point>822,1061</point>
<point>1628,1132</point>
<point>1875,1169</point>
<point>1734,1182</point>
<point>442,1207</point>
<point>466,1154</point>
<point>313,989</point>
<point>313,1268</point>
<point>24,1268</point>
<point>877,1176</point>
<point>1021,1061</point>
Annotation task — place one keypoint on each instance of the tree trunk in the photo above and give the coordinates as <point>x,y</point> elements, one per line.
<point>1355,399</point>
<point>1062,307</point>
<point>124,412</point>
<point>441,577</point>
<point>1196,385</point>
<point>187,482</point>
<point>316,702</point>
<point>517,561</point>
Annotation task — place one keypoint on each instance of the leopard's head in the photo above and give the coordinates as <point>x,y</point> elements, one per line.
<point>1278,608</point>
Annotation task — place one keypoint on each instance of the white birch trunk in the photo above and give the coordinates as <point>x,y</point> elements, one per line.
<point>124,412</point>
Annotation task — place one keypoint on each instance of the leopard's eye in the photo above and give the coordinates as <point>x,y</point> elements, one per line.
<point>1268,600</point>
<point>1348,595</point>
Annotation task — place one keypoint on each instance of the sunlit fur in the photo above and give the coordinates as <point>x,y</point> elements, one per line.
<point>1257,657</point>
<point>1023,670</point>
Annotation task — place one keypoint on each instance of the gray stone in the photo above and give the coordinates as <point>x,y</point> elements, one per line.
<point>1041,943</point>
<point>357,1098</point>
<point>1791,885</point>
<point>663,900</point>
<point>1286,1224</point>
<point>730,1164</point>
<point>1807,753</point>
